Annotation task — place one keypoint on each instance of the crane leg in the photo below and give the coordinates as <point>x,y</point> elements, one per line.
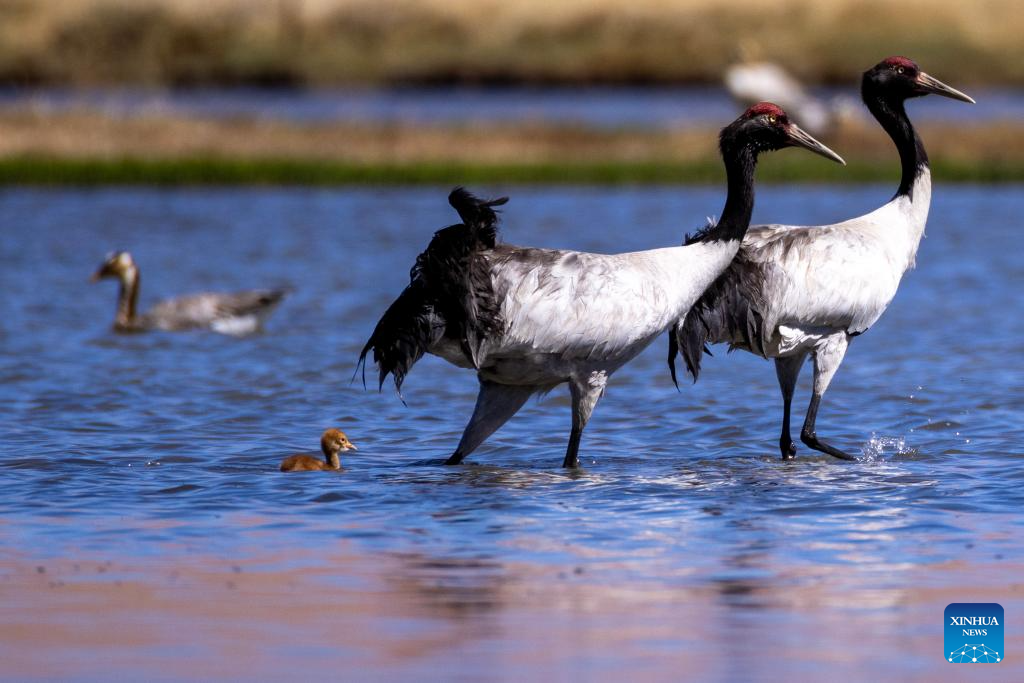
<point>827,359</point>
<point>585,392</point>
<point>788,370</point>
<point>495,405</point>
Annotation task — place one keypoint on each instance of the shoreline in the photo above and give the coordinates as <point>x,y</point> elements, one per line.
<point>93,148</point>
<point>209,171</point>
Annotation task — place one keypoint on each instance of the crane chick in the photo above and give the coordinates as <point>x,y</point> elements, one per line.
<point>332,443</point>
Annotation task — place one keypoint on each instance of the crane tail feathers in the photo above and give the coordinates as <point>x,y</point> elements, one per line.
<point>360,365</point>
<point>450,295</point>
<point>691,339</point>
<point>404,333</point>
<point>673,350</point>
<point>730,310</point>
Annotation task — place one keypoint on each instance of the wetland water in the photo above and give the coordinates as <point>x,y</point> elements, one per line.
<point>145,531</point>
<point>593,106</point>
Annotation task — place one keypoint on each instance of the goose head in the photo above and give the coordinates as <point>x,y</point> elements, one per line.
<point>766,127</point>
<point>118,264</point>
<point>900,78</point>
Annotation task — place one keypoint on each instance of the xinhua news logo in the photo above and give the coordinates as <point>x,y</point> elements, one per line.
<point>974,633</point>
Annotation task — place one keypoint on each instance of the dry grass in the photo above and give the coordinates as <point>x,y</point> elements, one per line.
<point>89,135</point>
<point>347,41</point>
<point>86,135</point>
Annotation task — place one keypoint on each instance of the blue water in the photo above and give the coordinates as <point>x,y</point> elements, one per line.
<point>595,106</point>
<point>683,544</point>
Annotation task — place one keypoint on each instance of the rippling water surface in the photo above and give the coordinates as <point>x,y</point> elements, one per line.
<point>144,527</point>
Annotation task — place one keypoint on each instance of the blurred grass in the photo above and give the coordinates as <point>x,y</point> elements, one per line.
<point>214,171</point>
<point>320,42</point>
<point>40,146</point>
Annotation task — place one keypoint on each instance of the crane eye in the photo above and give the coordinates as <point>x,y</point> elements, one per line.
<point>772,118</point>
<point>899,69</point>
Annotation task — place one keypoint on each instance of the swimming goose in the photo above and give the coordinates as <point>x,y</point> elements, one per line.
<point>235,313</point>
<point>794,291</point>
<point>527,320</point>
<point>332,442</point>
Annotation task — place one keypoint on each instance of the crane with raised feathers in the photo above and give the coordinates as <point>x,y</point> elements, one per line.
<point>799,291</point>
<point>528,319</point>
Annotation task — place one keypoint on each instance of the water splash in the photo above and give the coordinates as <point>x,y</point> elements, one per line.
<point>885,448</point>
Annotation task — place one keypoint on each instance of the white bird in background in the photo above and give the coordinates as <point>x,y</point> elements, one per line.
<point>530,319</point>
<point>794,291</point>
<point>750,80</point>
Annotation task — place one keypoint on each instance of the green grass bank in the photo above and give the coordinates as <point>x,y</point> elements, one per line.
<point>36,171</point>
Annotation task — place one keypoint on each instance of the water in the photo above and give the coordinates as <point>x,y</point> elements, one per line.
<point>145,530</point>
<point>604,107</point>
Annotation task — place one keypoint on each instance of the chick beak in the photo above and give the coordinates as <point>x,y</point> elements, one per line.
<point>934,85</point>
<point>350,447</point>
<point>798,137</point>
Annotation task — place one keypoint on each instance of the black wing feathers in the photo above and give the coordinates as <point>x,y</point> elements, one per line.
<point>729,311</point>
<point>404,333</point>
<point>450,294</point>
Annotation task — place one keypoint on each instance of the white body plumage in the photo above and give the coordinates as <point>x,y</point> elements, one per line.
<point>840,278</point>
<point>574,314</point>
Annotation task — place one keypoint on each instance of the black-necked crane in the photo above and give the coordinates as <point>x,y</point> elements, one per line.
<point>794,291</point>
<point>527,320</point>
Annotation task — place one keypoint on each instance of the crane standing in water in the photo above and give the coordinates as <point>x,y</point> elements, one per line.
<point>527,320</point>
<point>794,291</point>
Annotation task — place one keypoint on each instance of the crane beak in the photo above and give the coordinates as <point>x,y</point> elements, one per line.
<point>937,87</point>
<point>351,447</point>
<point>798,137</point>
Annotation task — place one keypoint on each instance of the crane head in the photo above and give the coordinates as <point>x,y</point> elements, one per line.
<point>901,78</point>
<point>765,127</point>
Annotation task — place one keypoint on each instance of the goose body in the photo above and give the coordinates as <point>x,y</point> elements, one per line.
<point>528,319</point>
<point>799,291</point>
<point>234,313</point>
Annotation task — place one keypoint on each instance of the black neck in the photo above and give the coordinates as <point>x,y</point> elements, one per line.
<point>740,162</point>
<point>893,118</point>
